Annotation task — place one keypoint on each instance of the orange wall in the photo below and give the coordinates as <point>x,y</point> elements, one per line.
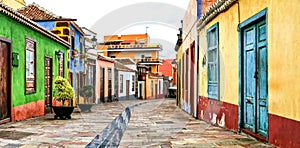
<point>136,37</point>
<point>166,68</point>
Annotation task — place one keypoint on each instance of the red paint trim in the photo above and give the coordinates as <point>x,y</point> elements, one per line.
<point>4,120</point>
<point>284,132</point>
<point>33,109</point>
<point>256,136</point>
<point>209,107</point>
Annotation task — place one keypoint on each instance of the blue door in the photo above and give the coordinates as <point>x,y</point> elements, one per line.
<point>255,82</point>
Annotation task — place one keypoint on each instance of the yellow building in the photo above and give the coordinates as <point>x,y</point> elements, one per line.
<point>15,4</point>
<point>136,47</point>
<point>248,74</point>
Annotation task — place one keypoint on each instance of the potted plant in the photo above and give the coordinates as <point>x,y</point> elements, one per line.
<point>86,92</point>
<point>63,93</point>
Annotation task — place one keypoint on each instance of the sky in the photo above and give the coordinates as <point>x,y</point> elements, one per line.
<point>159,18</point>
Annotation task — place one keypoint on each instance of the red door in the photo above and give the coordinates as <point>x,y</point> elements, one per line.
<point>4,80</point>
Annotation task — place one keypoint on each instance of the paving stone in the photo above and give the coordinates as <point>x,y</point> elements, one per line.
<point>153,123</point>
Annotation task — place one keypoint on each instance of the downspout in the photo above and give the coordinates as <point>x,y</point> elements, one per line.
<point>239,85</point>
<point>197,76</point>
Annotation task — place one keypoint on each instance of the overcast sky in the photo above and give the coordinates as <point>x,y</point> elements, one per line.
<point>160,17</point>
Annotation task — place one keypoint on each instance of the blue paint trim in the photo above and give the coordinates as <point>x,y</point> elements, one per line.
<point>199,9</point>
<point>240,78</point>
<point>254,18</point>
<point>260,15</point>
<point>49,25</point>
<point>215,26</point>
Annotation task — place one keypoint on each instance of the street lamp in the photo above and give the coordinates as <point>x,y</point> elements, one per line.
<point>94,42</point>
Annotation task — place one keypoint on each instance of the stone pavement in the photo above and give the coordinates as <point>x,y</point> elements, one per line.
<point>152,123</point>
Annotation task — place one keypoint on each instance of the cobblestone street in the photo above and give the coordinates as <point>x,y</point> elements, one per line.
<point>152,123</point>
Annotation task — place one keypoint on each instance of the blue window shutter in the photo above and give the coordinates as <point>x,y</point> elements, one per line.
<point>213,61</point>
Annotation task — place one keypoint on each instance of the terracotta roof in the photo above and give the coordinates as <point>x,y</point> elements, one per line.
<point>36,12</point>
<point>104,58</point>
<point>213,11</point>
<point>22,19</point>
<point>119,66</point>
<point>125,61</point>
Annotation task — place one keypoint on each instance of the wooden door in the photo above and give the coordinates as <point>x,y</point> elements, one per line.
<point>102,74</point>
<point>156,91</point>
<point>48,84</point>
<point>127,89</point>
<point>109,85</point>
<point>4,80</point>
<point>255,106</point>
<point>140,91</point>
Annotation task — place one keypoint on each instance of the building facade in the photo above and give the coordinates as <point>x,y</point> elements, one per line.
<point>136,47</point>
<point>105,79</point>
<point>125,81</point>
<point>242,84</point>
<point>90,62</point>
<point>188,42</point>
<point>31,59</point>
<point>68,30</point>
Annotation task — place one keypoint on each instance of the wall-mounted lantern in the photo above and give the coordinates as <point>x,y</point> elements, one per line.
<point>58,54</point>
<point>94,42</point>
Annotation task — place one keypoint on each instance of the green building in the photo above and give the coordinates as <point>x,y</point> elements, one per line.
<point>31,57</point>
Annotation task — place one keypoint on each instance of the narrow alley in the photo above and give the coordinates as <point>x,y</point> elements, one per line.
<point>153,123</point>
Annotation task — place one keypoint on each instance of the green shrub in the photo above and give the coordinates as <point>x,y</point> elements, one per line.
<point>63,90</point>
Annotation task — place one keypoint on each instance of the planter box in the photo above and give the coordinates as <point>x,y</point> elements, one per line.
<point>63,112</point>
<point>85,107</point>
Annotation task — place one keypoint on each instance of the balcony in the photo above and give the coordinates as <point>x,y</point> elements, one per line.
<point>130,46</point>
<point>149,61</point>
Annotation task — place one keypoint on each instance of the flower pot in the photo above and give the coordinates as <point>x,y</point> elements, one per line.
<point>85,107</point>
<point>63,112</point>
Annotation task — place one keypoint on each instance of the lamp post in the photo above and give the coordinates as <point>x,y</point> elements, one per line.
<point>146,29</point>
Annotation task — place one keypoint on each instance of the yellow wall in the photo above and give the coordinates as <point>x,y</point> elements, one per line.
<point>283,54</point>
<point>179,72</point>
<point>228,56</point>
<point>124,54</point>
<point>15,4</point>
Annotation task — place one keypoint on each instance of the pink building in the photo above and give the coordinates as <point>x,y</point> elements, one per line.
<point>104,79</point>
